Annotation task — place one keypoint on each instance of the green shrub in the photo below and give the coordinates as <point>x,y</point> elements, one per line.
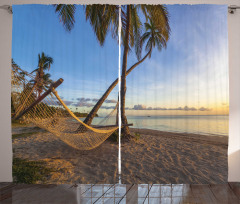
<point>29,172</point>
<point>36,130</point>
<point>114,137</point>
<point>137,135</point>
<point>18,123</point>
<point>21,135</point>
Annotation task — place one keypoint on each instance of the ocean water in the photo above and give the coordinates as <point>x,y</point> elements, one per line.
<point>205,125</point>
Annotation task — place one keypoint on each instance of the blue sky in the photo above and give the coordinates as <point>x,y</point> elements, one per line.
<point>192,72</point>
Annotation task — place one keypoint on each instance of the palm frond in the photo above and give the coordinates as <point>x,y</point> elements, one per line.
<point>103,18</point>
<point>66,14</point>
<point>154,36</point>
<point>35,70</point>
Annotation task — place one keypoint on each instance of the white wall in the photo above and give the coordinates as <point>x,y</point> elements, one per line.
<point>5,96</point>
<point>5,64</point>
<point>234,94</point>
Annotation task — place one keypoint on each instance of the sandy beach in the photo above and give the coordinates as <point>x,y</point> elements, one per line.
<point>156,157</point>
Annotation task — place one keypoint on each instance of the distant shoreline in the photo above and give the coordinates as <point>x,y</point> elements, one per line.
<point>185,133</point>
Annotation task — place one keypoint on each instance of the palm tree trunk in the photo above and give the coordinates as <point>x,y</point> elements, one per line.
<point>41,81</point>
<point>125,129</point>
<point>92,114</point>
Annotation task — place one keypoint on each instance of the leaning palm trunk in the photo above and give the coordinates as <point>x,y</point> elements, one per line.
<point>92,114</point>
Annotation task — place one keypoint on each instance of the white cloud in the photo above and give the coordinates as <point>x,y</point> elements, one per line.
<point>185,108</point>
<point>139,107</point>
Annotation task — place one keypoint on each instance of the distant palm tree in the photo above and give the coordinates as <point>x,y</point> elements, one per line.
<point>42,78</point>
<point>104,18</point>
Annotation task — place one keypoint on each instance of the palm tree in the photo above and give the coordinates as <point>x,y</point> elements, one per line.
<point>42,78</point>
<point>104,18</point>
<point>130,32</point>
<point>152,37</point>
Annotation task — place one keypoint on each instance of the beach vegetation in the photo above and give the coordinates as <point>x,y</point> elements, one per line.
<point>137,135</point>
<point>42,78</point>
<point>82,115</point>
<point>114,137</point>
<point>27,134</point>
<point>18,123</point>
<point>30,172</point>
<point>22,135</point>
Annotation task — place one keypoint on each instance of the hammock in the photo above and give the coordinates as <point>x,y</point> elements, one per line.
<point>52,114</point>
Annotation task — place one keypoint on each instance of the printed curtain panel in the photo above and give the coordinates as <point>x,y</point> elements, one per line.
<point>170,105</point>
<point>177,97</point>
<point>64,58</point>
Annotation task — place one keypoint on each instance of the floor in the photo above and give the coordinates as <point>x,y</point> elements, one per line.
<point>119,193</point>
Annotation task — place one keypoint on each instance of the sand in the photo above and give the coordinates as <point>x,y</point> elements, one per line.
<point>157,157</point>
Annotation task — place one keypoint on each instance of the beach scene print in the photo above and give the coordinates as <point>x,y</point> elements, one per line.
<point>172,107</point>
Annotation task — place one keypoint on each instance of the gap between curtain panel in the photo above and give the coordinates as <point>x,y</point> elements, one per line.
<point>119,94</point>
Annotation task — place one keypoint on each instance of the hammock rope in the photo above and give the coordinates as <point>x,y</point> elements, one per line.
<point>53,114</point>
<point>108,118</point>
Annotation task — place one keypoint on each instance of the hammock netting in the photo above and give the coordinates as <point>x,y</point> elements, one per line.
<point>52,114</point>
